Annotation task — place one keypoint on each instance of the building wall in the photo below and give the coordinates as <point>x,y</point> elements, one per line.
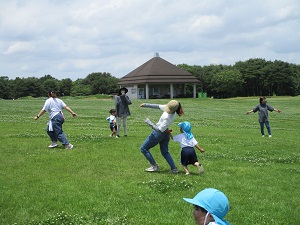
<point>132,91</point>
<point>155,91</point>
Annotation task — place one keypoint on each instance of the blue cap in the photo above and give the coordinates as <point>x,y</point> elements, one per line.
<point>213,201</point>
<point>186,127</point>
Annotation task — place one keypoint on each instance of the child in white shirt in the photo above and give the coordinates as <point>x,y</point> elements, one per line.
<point>112,122</point>
<point>187,143</point>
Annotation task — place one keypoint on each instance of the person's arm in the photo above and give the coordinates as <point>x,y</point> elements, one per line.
<point>128,100</point>
<point>154,127</point>
<point>70,111</point>
<point>170,133</point>
<point>253,110</point>
<point>39,114</point>
<point>270,108</point>
<point>250,111</point>
<point>277,110</point>
<point>148,105</point>
<point>199,148</point>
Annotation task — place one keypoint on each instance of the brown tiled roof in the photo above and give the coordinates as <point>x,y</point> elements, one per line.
<point>158,71</point>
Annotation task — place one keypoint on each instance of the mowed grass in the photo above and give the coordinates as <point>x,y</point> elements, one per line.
<point>103,180</point>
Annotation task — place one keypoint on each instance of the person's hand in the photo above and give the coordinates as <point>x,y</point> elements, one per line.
<point>74,114</point>
<point>278,110</point>
<point>142,105</point>
<point>248,112</point>
<point>169,132</point>
<point>147,120</point>
<point>202,150</point>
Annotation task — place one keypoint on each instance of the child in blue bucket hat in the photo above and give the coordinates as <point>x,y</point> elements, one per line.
<point>187,143</point>
<point>210,207</point>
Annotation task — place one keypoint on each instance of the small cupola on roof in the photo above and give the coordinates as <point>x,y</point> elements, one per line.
<point>156,54</point>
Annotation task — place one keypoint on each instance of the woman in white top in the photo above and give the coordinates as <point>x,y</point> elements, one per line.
<point>160,134</point>
<point>54,107</point>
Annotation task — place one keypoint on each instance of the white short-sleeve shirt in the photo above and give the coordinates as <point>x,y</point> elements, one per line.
<point>184,142</point>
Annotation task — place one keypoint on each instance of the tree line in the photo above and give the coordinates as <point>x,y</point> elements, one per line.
<point>254,77</point>
<point>94,83</point>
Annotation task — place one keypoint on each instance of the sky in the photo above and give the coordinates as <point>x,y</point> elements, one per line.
<point>73,38</point>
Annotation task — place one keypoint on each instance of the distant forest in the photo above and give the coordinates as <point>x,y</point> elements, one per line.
<point>254,77</point>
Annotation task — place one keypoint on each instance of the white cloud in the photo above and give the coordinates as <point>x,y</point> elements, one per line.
<point>19,47</point>
<point>74,38</point>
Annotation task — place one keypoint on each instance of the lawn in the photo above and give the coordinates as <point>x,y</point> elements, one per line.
<point>102,180</point>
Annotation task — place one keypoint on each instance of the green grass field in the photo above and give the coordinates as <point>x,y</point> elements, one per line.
<point>103,180</point>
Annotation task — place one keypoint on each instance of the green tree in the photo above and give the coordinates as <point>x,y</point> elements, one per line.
<point>48,82</point>
<point>101,83</point>
<point>18,88</point>
<point>253,75</point>
<point>80,88</point>
<point>5,87</point>
<point>65,87</point>
<point>284,79</point>
<point>227,83</point>
<point>32,87</point>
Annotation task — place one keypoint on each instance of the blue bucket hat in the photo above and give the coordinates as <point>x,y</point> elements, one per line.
<point>213,201</point>
<point>186,127</point>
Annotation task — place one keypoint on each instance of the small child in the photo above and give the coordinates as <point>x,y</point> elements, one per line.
<point>187,143</point>
<point>112,122</point>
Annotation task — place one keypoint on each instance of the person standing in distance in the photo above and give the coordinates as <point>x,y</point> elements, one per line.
<point>122,107</point>
<point>263,118</point>
<point>54,107</point>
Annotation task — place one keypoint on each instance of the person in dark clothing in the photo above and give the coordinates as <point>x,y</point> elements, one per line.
<point>262,108</point>
<point>122,107</point>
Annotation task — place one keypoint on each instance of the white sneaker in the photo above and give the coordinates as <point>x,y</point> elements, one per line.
<point>270,135</point>
<point>152,168</point>
<point>69,146</point>
<point>175,171</point>
<point>201,169</point>
<point>262,135</point>
<point>53,145</point>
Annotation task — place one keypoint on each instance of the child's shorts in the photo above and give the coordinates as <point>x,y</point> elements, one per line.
<point>112,127</point>
<point>188,156</point>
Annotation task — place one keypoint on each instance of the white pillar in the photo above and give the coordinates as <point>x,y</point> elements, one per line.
<point>171,91</point>
<point>147,91</point>
<point>194,91</point>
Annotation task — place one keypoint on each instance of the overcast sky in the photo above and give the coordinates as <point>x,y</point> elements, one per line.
<point>73,38</point>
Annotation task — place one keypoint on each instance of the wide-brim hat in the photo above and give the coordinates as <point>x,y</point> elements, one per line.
<point>213,201</point>
<point>123,88</point>
<point>171,107</point>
